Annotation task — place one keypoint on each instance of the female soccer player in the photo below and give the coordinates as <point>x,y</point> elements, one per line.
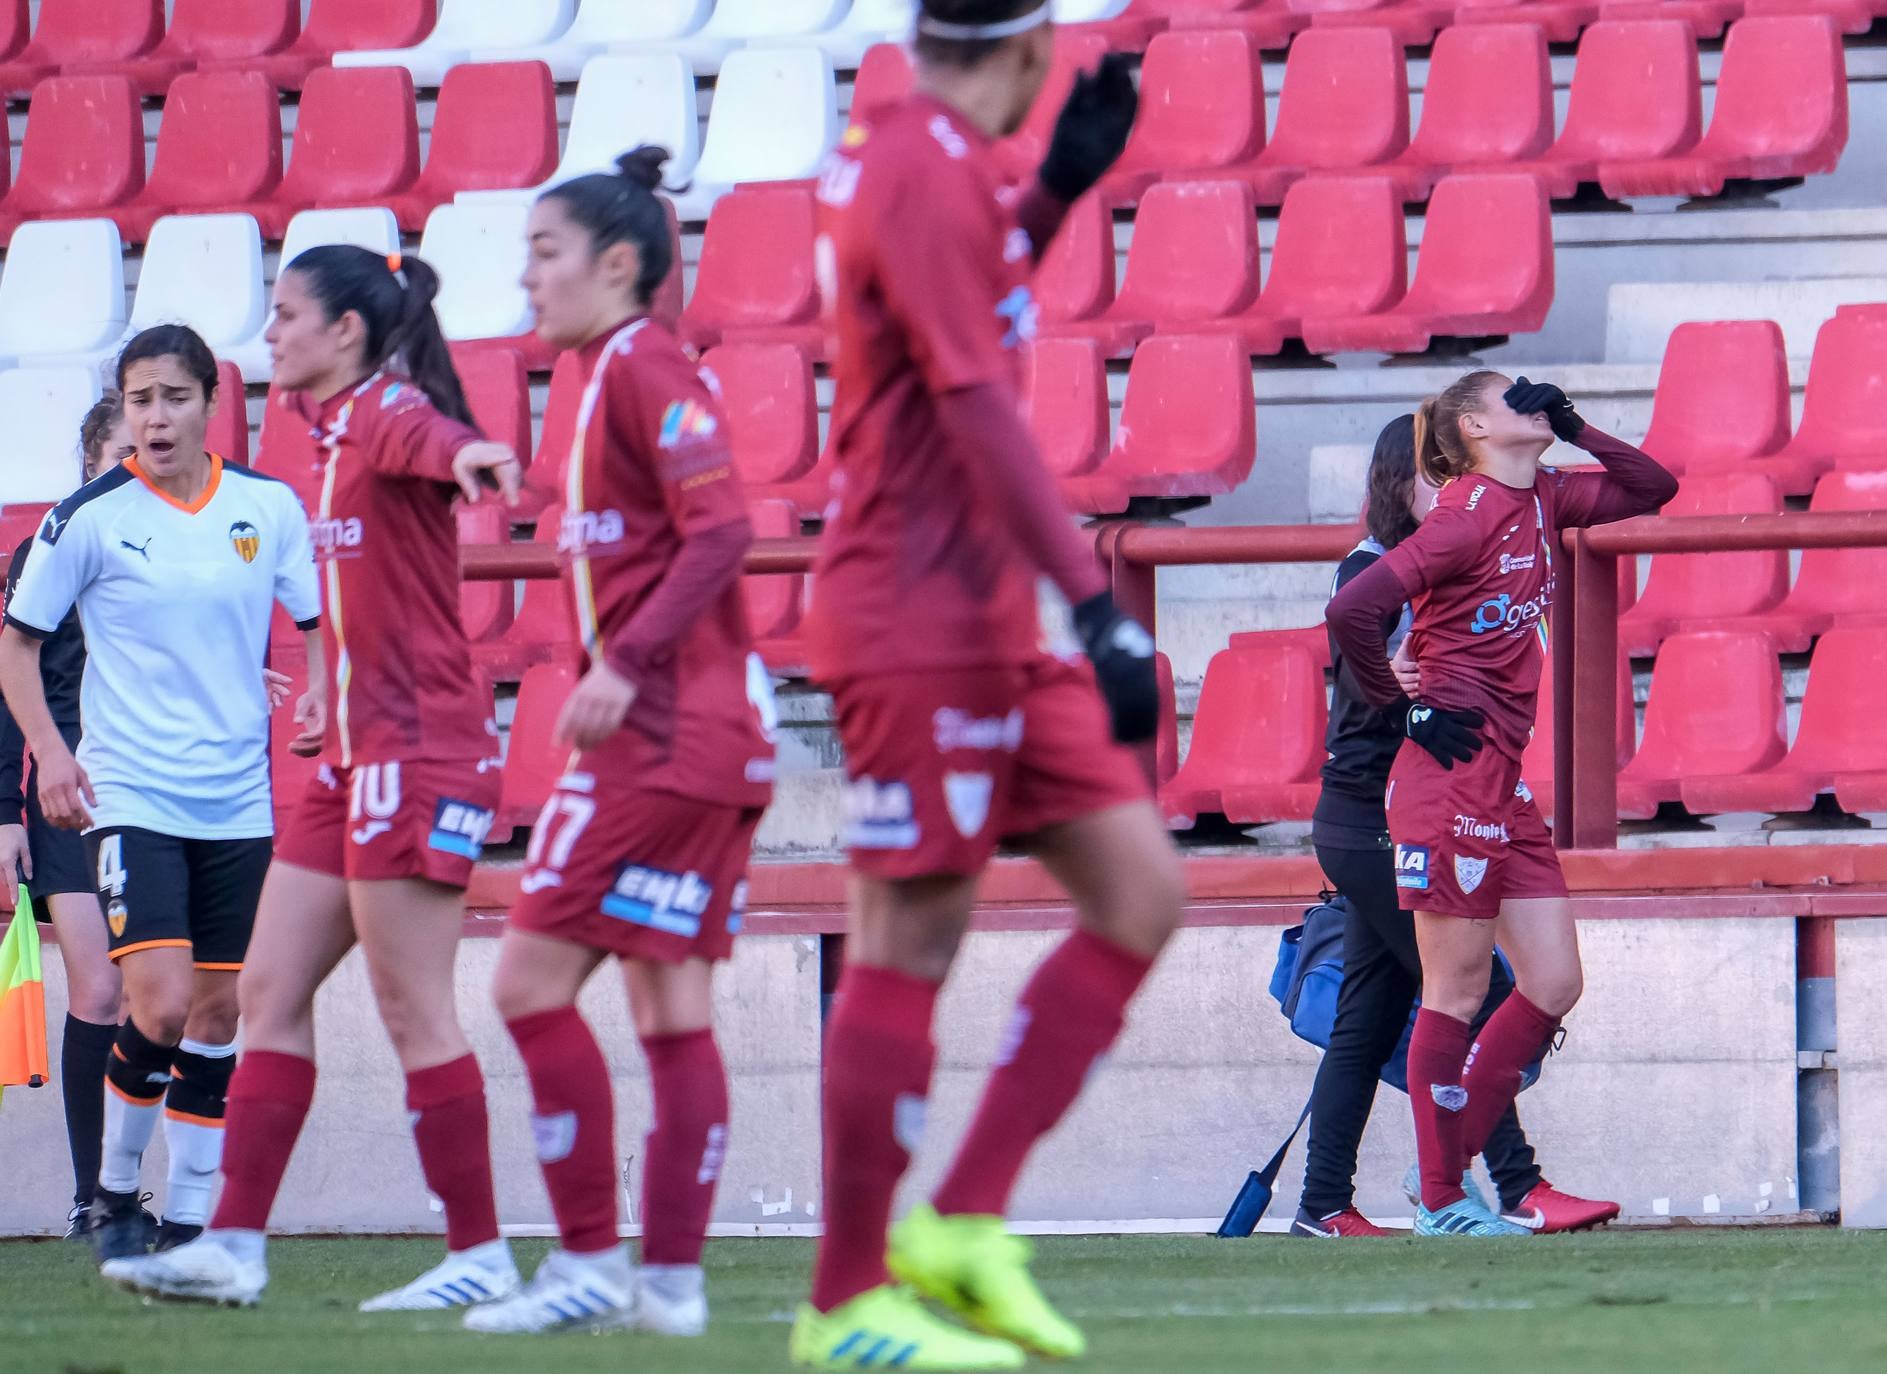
<point>53,860</point>
<point>1472,853</point>
<point>174,561</point>
<point>641,852</point>
<point>1381,972</point>
<point>384,840</point>
<point>958,730</point>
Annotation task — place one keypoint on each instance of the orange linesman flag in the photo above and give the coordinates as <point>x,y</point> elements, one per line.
<point>22,1001</point>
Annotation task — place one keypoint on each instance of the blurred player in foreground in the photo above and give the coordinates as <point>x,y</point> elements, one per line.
<point>380,847</point>
<point>1472,855</point>
<point>640,854</point>
<point>959,731</point>
<point>175,561</point>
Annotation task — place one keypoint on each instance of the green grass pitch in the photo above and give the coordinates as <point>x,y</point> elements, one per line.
<point>1709,1301</point>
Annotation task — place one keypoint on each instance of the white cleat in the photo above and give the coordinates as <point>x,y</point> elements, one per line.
<point>205,1270</point>
<point>569,1293</point>
<point>465,1278</point>
<point>671,1299</point>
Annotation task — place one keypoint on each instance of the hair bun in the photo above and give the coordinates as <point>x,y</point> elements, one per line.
<point>643,166</point>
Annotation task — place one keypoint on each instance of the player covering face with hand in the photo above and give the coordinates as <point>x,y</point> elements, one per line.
<point>1472,855</point>
<point>959,731</point>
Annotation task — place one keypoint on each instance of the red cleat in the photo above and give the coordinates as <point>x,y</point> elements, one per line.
<point>1348,1222</point>
<point>1546,1211</point>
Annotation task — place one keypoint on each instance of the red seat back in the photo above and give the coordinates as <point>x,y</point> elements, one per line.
<point>546,615</point>
<point>773,600</point>
<point>356,137</point>
<point>666,305</point>
<point>334,25</point>
<point>230,30</point>
<point>1537,763</point>
<point>1345,101</point>
<point>1187,425</point>
<point>559,430</point>
<point>1843,582</point>
<point>495,127</point>
<point>485,607</point>
<point>1075,279</point>
<point>772,412</point>
<point>1261,719</point>
<point>1716,708</point>
<point>1064,401</point>
<point>1487,254</point>
<point>1843,728</point>
<point>1635,92</point>
<point>228,432</point>
<point>756,261</point>
<point>533,763</point>
<point>220,142</point>
<point>884,76</point>
<point>1723,395</point>
<point>1340,249</point>
<point>1844,405</point>
<point>84,146</point>
<point>499,393</point>
<point>75,32</point>
<point>1194,254</point>
<point>1709,586</point>
<point>1202,103</point>
<point>1489,96</point>
<point>286,450</point>
<point>1782,94</point>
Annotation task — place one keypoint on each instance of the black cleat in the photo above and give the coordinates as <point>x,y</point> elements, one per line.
<point>118,1225</point>
<point>79,1221</point>
<point>171,1234</point>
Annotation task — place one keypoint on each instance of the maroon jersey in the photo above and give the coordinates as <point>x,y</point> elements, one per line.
<point>927,270</point>
<point>650,470</point>
<point>386,542</point>
<point>1480,574</point>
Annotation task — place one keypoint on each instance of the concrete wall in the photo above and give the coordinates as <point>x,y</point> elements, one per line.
<point>1860,971</point>
<point>1661,1102</point>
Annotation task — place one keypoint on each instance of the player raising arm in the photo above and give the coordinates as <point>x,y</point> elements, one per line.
<point>383,842</point>
<point>1472,855</point>
<point>174,561</point>
<point>959,731</point>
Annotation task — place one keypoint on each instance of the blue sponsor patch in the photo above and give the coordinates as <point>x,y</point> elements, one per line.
<point>460,828</point>
<point>1412,866</point>
<point>673,903</point>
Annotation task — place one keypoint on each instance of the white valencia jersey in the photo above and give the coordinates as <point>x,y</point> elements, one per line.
<point>175,602</point>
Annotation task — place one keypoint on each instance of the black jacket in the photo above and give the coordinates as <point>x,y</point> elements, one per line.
<point>61,665</point>
<point>1361,744</point>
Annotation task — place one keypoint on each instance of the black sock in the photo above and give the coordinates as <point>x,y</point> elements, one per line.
<point>83,1056</point>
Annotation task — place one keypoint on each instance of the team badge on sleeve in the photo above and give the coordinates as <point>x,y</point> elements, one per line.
<point>1412,867</point>
<point>246,539</point>
<point>684,422</point>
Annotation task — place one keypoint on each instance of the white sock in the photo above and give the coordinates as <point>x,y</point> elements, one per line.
<point>128,1130</point>
<point>196,1153</point>
<point>248,1246</point>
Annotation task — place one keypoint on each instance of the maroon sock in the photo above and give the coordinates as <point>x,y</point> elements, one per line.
<point>1067,1016</point>
<point>574,1123</point>
<point>453,1132</point>
<point>686,1145</point>
<point>1513,1038</point>
<point>1438,1047</point>
<point>268,1100</point>
<point>878,1062</point>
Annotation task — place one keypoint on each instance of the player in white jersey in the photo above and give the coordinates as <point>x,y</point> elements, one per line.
<point>175,561</point>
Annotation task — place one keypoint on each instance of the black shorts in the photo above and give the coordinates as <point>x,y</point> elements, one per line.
<point>161,891</point>
<point>60,863</point>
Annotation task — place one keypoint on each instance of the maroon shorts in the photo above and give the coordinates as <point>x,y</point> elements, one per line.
<point>941,766</point>
<point>1468,837</point>
<point>636,873</point>
<point>377,821</point>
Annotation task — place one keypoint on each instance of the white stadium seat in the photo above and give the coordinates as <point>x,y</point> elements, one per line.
<point>601,25</point>
<point>369,226</point>
<point>775,117</point>
<point>736,23</point>
<point>43,406</point>
<point>204,271</point>
<point>623,99</point>
<point>63,289</point>
<point>1089,11</point>
<point>869,22</point>
<point>478,251</point>
<point>466,29</point>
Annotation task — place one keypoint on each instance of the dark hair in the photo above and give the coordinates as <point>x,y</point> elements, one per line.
<point>966,52</point>
<point>97,425</point>
<point>622,207</point>
<point>393,297</point>
<point>1391,471</point>
<point>177,341</point>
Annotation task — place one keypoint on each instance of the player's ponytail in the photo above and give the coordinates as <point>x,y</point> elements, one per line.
<point>622,207</point>
<point>1441,452</point>
<point>394,298</point>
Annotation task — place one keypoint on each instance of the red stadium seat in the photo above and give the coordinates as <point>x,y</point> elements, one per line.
<point>772,412</point>
<point>1188,425</point>
<point>1706,18</point>
<point>1844,422</point>
<point>1194,258</point>
<point>1064,402</point>
<point>286,451</point>
<point>499,393</point>
<point>1488,102</point>
<point>883,77</point>
<point>1129,31</point>
<point>1840,743</point>
<point>15,27</point>
<point>495,127</point>
<point>83,154</point>
<point>1075,278</point>
<point>533,763</point>
<point>1412,22</point>
<point>755,281</point>
<point>1686,591</point>
<point>1257,739</point>
<point>485,608</point>
<point>1536,764</point>
<point>220,143</point>
<point>228,432</point>
<point>91,38</point>
<point>543,628</point>
<point>1340,253</point>
<point>1781,114</point>
<point>1272,22</point>
<point>775,601</point>
<point>667,304</point>
<point>1833,587</point>
<point>1722,402</point>
<point>1485,271</point>
<point>334,25</point>
<point>1635,97</point>
<point>1344,106</point>
<point>19,523</point>
<point>1716,709</point>
<point>544,484</point>
<point>1560,20</point>
<point>1075,51</point>
<point>1202,109</point>
<point>1854,16</point>
<point>219,35</point>
<point>1312,639</point>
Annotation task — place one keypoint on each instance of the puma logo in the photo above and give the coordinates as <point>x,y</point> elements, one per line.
<point>141,550</point>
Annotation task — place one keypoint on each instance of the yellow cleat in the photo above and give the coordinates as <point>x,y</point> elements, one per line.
<point>888,1328</point>
<point>973,1266</point>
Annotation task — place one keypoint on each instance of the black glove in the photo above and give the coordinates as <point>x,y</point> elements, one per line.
<point>1526,398</point>
<point>1450,737</point>
<point>1122,653</point>
<point>1092,130</point>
